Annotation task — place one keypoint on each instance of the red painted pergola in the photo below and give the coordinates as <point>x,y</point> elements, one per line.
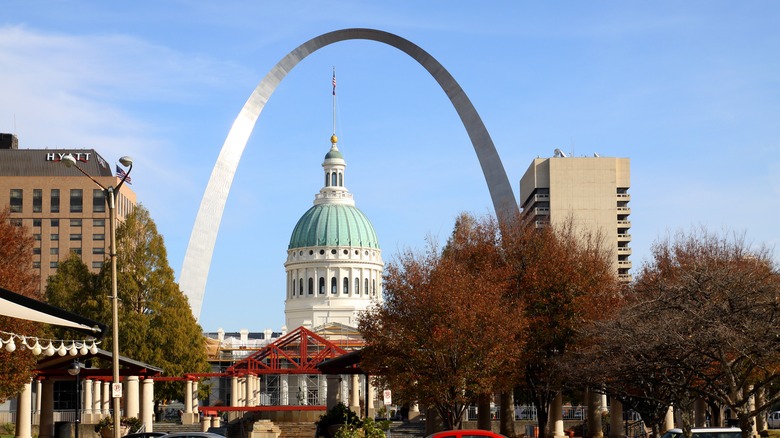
<point>297,352</point>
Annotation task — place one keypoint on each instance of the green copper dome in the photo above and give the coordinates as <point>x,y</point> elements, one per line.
<point>333,225</point>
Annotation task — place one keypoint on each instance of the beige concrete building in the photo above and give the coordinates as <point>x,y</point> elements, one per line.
<point>593,191</point>
<point>62,208</point>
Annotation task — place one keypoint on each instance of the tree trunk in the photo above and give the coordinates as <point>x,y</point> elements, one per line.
<point>507,425</point>
<point>483,412</point>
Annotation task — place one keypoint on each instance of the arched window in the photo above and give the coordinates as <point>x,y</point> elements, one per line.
<point>373,287</point>
<point>327,179</point>
<point>365,289</point>
<point>322,285</point>
<point>341,179</point>
<point>333,285</point>
<point>300,286</point>
<point>333,179</point>
<point>311,285</point>
<point>346,285</point>
<point>293,287</point>
<point>357,286</point>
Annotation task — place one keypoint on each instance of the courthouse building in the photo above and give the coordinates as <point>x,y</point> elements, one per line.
<point>64,210</point>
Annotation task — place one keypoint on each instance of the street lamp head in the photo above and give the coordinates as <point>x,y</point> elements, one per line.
<point>68,160</point>
<point>74,369</point>
<point>126,161</point>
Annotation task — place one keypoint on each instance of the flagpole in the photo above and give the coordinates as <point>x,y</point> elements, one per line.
<point>334,100</point>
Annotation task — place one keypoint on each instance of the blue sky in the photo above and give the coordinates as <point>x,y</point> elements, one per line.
<point>690,91</point>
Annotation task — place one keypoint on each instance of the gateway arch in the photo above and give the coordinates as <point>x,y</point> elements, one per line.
<point>197,259</point>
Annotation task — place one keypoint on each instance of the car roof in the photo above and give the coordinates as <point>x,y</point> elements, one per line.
<point>708,429</point>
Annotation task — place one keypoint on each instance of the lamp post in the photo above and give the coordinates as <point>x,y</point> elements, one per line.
<point>75,370</point>
<point>110,200</point>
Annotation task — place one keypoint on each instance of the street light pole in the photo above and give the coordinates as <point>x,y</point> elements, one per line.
<point>75,370</point>
<point>111,201</point>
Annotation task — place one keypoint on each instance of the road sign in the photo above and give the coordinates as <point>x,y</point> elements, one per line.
<point>116,390</point>
<point>388,396</point>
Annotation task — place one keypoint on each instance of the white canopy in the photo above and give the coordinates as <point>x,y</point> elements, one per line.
<point>19,306</point>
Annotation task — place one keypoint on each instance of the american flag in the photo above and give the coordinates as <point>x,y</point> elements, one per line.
<point>334,82</point>
<point>120,173</point>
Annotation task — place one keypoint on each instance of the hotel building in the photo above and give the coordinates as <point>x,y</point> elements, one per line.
<point>593,191</point>
<point>64,210</point>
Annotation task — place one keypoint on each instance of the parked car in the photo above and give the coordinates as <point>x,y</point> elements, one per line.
<point>145,435</point>
<point>466,433</point>
<point>773,420</point>
<point>706,432</point>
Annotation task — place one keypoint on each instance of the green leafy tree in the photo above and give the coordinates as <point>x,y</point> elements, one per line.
<point>16,275</point>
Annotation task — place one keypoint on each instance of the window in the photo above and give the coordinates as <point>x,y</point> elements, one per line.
<point>357,286</point>
<point>333,285</point>
<point>36,251</point>
<point>311,285</point>
<point>36,265</point>
<point>55,237</point>
<point>373,287</point>
<point>75,237</point>
<point>300,287</point>
<point>322,285</point>
<point>99,223</point>
<point>98,201</point>
<point>16,200</point>
<point>75,251</point>
<point>346,285</point>
<point>55,200</point>
<point>37,200</point>
<point>98,250</point>
<point>54,265</point>
<point>97,265</point>
<point>76,200</point>
<point>16,222</point>
<point>55,222</point>
<point>293,287</point>
<point>341,179</point>
<point>327,179</point>
<point>36,222</point>
<point>333,179</point>
<point>365,289</point>
<point>75,222</point>
<point>54,251</point>
<point>37,236</point>
<point>98,237</point>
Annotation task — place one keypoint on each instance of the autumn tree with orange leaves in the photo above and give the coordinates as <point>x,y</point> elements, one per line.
<point>566,279</point>
<point>16,275</point>
<point>703,320</point>
<point>448,332</point>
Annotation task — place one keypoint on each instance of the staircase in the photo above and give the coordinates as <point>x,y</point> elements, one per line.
<point>296,430</point>
<point>175,427</point>
<point>410,429</point>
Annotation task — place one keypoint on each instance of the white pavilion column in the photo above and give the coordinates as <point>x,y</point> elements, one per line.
<point>334,390</point>
<point>594,415</point>
<point>285,390</point>
<point>344,391</point>
<point>616,420</point>
<point>87,410</point>
<point>556,416</point>
<point>46,427</point>
<point>195,401</point>
<point>106,398</point>
<point>147,405</point>
<point>371,399</point>
<point>303,390</point>
<point>256,396</point>
<point>669,419</point>
<point>133,397</point>
<point>38,389</point>
<point>354,402</point>
<point>215,422</point>
<point>249,389</point>
<point>322,399</point>
<point>97,401</point>
<point>24,412</point>
<point>234,391</point>
<point>188,417</point>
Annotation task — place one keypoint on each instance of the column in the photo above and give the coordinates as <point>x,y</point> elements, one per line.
<point>284,385</point>
<point>594,415</point>
<point>147,404</point>
<point>187,417</point>
<point>669,419</point>
<point>752,407</point>
<point>616,420</point>
<point>106,399</point>
<point>344,391</point>
<point>133,399</point>
<point>556,415</point>
<point>215,421</point>
<point>46,429</point>
<point>249,389</point>
<point>699,413</point>
<point>87,410</point>
<point>195,402</point>
<point>322,399</point>
<point>303,390</point>
<point>334,390</point>
<point>38,389</point>
<point>371,399</point>
<point>24,412</point>
<point>234,391</point>
<point>354,401</point>
<point>97,400</point>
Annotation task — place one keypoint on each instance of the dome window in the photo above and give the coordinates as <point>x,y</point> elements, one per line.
<point>357,285</point>
<point>333,251</point>
<point>311,252</point>
<point>322,251</point>
<point>311,285</point>
<point>300,287</point>
<point>293,287</point>
<point>333,288</point>
<point>365,289</point>
<point>333,179</point>
<point>341,179</point>
<point>357,252</point>
<point>346,285</point>
<point>327,179</point>
<point>346,252</point>
<point>322,285</point>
